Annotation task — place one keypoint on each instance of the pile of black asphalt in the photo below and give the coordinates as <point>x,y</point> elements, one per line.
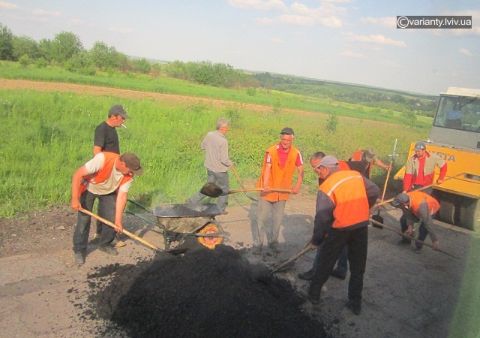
<point>201,293</point>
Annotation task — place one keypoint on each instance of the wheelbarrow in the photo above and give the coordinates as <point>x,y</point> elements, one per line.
<point>177,222</point>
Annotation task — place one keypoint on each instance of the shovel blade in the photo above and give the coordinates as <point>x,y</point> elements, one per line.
<point>211,190</point>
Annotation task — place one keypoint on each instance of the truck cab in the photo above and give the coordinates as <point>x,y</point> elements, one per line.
<point>455,136</point>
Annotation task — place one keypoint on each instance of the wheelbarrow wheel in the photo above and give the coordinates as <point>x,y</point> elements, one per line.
<point>210,229</point>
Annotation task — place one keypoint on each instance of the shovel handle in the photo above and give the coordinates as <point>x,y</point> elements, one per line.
<point>383,226</point>
<point>386,181</point>
<point>419,189</point>
<point>287,191</point>
<point>308,247</point>
<point>126,232</point>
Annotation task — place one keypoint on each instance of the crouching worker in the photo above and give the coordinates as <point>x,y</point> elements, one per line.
<point>107,177</point>
<point>342,217</point>
<point>417,206</point>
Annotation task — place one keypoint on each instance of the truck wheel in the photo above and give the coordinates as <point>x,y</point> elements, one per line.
<point>447,207</point>
<point>470,214</point>
<point>447,212</point>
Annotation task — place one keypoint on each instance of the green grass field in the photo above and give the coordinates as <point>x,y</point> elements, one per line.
<point>274,98</point>
<point>46,136</point>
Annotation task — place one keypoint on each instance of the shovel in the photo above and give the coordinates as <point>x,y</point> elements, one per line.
<point>126,232</point>
<point>240,182</point>
<point>377,217</point>
<point>379,225</point>
<point>213,190</point>
<point>308,247</point>
<point>419,189</point>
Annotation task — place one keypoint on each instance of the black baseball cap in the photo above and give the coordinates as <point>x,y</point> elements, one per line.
<point>117,110</point>
<point>287,131</point>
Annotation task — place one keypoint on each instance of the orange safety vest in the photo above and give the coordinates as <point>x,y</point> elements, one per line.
<point>418,197</point>
<point>357,155</point>
<point>104,173</point>
<point>343,165</point>
<point>346,190</point>
<point>280,177</point>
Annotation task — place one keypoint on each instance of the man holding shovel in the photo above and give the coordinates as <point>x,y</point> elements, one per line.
<point>107,177</point>
<point>280,163</point>
<point>362,160</point>
<point>217,163</point>
<point>417,206</point>
<point>342,217</point>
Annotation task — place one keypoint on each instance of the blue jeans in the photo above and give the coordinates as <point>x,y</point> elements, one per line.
<point>219,179</point>
<point>106,209</point>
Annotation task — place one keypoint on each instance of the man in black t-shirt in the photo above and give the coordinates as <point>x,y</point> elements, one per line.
<point>106,139</point>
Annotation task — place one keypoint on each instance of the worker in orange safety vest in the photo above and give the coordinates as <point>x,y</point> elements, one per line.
<point>342,217</point>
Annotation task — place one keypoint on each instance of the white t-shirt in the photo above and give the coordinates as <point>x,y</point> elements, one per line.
<point>110,184</point>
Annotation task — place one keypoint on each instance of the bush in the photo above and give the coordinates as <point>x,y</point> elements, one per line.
<point>332,123</point>
<point>41,62</point>
<point>24,60</point>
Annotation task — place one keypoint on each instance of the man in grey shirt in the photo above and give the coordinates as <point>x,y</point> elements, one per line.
<point>217,162</point>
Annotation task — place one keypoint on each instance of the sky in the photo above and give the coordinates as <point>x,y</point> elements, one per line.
<point>352,41</point>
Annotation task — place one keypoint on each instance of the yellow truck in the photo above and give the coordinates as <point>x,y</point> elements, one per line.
<point>455,136</point>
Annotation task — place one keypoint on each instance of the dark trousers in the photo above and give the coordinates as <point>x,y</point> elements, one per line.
<point>422,231</point>
<point>357,244</point>
<point>106,209</point>
<point>342,261</point>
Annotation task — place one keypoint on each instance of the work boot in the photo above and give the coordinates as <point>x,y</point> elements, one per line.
<point>418,248</point>
<point>337,273</point>
<point>79,258</point>
<point>117,242</point>
<point>355,306</point>
<point>307,275</point>
<point>108,249</point>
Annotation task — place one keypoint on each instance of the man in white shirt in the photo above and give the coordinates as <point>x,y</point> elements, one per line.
<point>107,177</point>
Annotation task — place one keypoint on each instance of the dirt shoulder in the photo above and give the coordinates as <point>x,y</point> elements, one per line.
<point>405,294</point>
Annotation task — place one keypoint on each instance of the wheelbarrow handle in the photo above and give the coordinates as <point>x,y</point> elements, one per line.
<point>126,232</point>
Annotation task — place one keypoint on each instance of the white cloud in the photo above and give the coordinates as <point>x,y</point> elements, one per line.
<point>377,39</point>
<point>262,5</point>
<point>277,40</point>
<point>337,1</point>
<point>264,21</point>
<point>327,14</point>
<point>7,5</point>
<point>465,52</point>
<point>351,54</point>
<point>44,13</point>
<point>300,20</point>
<point>122,30</point>
<point>386,21</point>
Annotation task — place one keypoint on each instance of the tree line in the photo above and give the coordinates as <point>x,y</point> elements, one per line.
<point>66,50</point>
